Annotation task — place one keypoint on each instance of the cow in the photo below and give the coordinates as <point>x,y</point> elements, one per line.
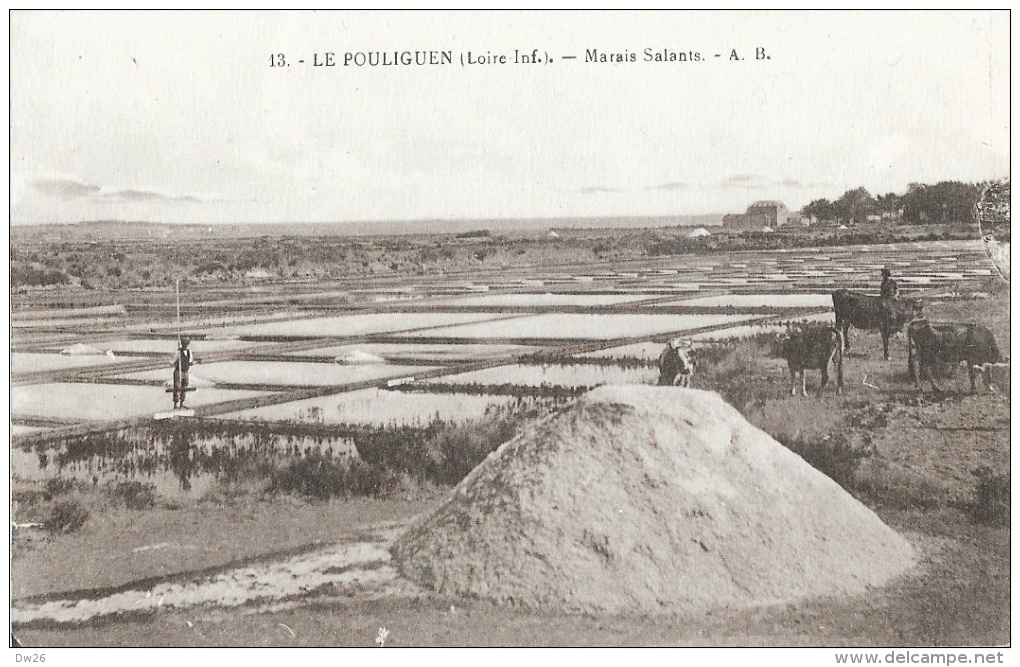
<point>814,347</point>
<point>676,367</point>
<point>934,343</point>
<point>873,312</point>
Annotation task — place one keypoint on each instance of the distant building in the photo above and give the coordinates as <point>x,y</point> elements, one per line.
<point>765,213</point>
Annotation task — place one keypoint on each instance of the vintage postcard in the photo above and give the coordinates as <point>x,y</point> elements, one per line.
<point>393,329</point>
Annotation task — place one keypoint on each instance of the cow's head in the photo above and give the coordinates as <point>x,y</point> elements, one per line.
<point>920,329</point>
<point>906,310</point>
<point>778,343</point>
<point>680,343</point>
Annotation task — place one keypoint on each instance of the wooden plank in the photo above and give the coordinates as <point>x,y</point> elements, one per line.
<point>174,414</point>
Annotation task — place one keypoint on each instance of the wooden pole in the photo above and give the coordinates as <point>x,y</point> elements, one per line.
<point>178,290</point>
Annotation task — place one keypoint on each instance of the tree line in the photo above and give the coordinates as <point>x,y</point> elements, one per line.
<point>948,202</point>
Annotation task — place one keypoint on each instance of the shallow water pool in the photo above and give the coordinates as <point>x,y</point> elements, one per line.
<point>295,373</point>
<point>70,400</point>
<point>581,326</point>
<point>377,407</point>
<point>536,375</point>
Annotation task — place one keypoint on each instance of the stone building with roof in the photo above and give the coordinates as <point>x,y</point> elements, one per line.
<point>764,213</point>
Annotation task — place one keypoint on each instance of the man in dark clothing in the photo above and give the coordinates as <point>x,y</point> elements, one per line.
<point>889,288</point>
<point>182,364</point>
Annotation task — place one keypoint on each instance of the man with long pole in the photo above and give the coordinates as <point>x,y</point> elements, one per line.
<point>183,360</point>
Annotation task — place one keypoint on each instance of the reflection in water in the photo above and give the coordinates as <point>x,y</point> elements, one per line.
<point>189,458</point>
<point>181,459</point>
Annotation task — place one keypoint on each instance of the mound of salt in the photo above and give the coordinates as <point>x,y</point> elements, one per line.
<point>358,357</point>
<point>82,350</point>
<point>193,381</point>
<point>640,498</point>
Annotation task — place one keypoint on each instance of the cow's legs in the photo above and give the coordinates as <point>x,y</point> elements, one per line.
<point>988,379</point>
<point>845,327</point>
<point>793,382</point>
<point>838,356</point>
<point>924,370</point>
<point>885,343</point>
<point>986,374</point>
<point>825,374</point>
<point>803,381</point>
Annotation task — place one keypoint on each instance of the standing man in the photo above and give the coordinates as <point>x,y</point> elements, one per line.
<point>889,288</point>
<point>182,364</point>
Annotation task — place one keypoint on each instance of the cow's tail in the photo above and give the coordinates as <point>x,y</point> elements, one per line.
<point>997,354</point>
<point>911,366</point>
<point>837,357</point>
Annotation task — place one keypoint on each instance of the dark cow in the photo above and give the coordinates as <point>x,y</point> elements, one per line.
<point>814,347</point>
<point>872,312</point>
<point>676,367</point>
<point>933,343</point>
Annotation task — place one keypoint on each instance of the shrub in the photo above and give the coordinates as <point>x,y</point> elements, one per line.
<point>135,495</point>
<point>993,494</point>
<point>836,456</point>
<point>891,485</point>
<point>67,516</point>
<point>58,486</point>
<point>323,477</point>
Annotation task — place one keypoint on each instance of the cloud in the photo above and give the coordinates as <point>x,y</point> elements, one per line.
<point>672,185</point>
<point>759,182</point>
<point>64,188</point>
<point>149,196</point>
<point>73,188</point>
<point>598,189</point>
<point>745,181</point>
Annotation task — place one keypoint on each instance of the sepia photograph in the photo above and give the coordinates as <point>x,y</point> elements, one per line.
<point>394,329</point>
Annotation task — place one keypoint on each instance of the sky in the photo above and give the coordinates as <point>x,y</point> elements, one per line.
<point>180,117</point>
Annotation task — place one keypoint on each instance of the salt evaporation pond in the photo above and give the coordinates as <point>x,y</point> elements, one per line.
<point>295,373</point>
<point>377,407</point>
<point>168,346</point>
<point>581,326</point>
<point>85,401</point>
<point>64,322</point>
<point>537,375</point>
<point>353,325</point>
<point>32,466</point>
<point>547,299</point>
<point>757,301</point>
<point>37,362</point>
<point>180,463</point>
<point>648,351</point>
<point>747,331</point>
<point>20,429</point>
<point>418,351</point>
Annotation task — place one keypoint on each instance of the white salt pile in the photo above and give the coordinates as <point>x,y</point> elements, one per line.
<point>358,357</point>
<point>641,498</point>
<point>82,350</point>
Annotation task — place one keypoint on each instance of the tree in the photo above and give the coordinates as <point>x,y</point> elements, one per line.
<point>854,206</point>
<point>944,203</point>
<point>819,209</point>
<point>888,205</point>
